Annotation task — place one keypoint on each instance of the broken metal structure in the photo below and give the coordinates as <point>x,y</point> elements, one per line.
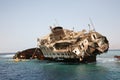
<point>68,45</point>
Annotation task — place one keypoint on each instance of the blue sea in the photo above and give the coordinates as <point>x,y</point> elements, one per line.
<point>106,68</point>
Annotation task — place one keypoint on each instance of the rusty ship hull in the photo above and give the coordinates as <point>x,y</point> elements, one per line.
<point>64,45</point>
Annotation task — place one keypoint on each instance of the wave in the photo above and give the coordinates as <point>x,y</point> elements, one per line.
<point>105,60</point>
<point>6,55</point>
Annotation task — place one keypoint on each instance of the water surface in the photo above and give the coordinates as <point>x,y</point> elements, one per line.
<point>106,68</point>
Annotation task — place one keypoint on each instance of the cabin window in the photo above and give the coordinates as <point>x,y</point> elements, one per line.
<point>82,44</point>
<point>86,41</point>
<point>94,37</point>
<point>68,54</point>
<point>75,51</point>
<point>80,47</point>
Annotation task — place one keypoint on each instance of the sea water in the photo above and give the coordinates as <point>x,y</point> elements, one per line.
<point>106,68</point>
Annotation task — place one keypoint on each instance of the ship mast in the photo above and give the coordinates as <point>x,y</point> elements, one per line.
<point>91,24</point>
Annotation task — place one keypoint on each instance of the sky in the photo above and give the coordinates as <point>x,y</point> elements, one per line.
<point>23,21</point>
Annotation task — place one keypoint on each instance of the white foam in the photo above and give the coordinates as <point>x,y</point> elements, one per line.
<point>7,56</point>
<point>105,60</point>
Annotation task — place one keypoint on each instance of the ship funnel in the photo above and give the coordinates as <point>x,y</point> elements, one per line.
<point>58,32</point>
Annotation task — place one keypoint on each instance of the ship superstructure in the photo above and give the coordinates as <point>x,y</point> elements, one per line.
<point>68,45</point>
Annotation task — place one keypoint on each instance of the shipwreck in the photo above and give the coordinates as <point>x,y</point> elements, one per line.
<point>64,45</point>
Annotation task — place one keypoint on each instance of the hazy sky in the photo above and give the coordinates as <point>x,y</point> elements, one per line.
<point>23,21</point>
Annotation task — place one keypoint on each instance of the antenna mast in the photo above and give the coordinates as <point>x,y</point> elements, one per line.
<point>89,27</point>
<point>56,22</point>
<point>92,24</point>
